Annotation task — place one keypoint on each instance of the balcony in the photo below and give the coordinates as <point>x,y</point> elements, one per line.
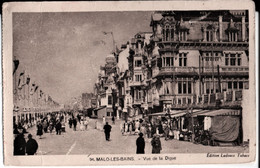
<point>137,83</point>
<point>227,69</point>
<point>137,101</point>
<point>179,69</point>
<point>164,71</point>
<point>166,97</point>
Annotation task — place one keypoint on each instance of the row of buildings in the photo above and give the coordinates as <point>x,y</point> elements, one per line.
<point>190,60</point>
<point>29,99</point>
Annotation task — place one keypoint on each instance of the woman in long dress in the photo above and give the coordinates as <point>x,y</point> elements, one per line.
<point>82,126</point>
<point>39,130</point>
<point>86,124</point>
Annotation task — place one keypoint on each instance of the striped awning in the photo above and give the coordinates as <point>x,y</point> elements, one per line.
<point>220,112</point>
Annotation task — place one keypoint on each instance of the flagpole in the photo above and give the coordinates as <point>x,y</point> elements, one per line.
<point>24,94</point>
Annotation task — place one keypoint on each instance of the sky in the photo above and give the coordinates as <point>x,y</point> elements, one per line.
<point>62,52</point>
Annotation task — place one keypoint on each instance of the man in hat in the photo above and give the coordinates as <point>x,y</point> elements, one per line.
<point>31,145</point>
<point>140,144</point>
<point>107,129</point>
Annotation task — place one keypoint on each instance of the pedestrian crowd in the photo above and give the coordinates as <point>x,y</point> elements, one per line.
<point>146,129</point>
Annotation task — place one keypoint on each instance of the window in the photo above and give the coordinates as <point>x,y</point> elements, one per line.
<point>138,94</point>
<point>108,114</point>
<point>240,85</point>
<point>109,100</point>
<point>233,59</point>
<point>183,36</point>
<point>229,85</point>
<point>138,78</point>
<point>168,88</point>
<point>179,87</point>
<point>167,61</point>
<point>189,87</point>
<point>183,59</point>
<point>235,84</point>
<point>232,36</point>
<point>238,59</point>
<point>184,87</point>
<point>226,59</point>
<point>138,63</point>
<point>168,33</point>
<point>209,35</point>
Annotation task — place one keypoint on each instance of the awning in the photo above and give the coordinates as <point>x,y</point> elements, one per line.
<point>220,112</point>
<point>175,113</point>
<point>96,109</point>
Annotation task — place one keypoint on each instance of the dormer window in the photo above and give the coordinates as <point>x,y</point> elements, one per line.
<point>168,33</point>
<point>232,36</point>
<point>232,31</point>
<point>209,35</point>
<point>183,35</point>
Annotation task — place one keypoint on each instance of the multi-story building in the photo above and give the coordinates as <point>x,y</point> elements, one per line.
<point>195,59</point>
<point>138,62</point>
<point>200,56</point>
<point>105,88</point>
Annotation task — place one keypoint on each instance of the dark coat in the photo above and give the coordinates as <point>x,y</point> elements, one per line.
<point>31,146</point>
<point>19,145</point>
<point>39,129</point>
<point>156,144</point>
<point>58,126</point>
<point>140,145</point>
<point>107,128</point>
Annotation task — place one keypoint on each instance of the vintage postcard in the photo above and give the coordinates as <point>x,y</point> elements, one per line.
<point>129,83</point>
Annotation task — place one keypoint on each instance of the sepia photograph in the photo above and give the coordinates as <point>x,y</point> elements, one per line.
<point>132,84</point>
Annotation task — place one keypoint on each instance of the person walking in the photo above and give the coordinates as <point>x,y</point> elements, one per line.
<point>140,144</point>
<point>39,129</point>
<point>82,126</point>
<point>19,144</point>
<point>70,122</point>
<point>86,123</point>
<point>58,128</point>
<point>31,145</point>
<point>156,144</point>
<point>113,119</point>
<point>107,129</point>
<point>74,124</point>
<point>104,120</point>
<point>45,126</point>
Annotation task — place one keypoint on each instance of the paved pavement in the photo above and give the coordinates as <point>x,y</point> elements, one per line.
<point>92,141</point>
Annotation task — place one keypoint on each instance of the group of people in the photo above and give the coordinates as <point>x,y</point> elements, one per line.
<point>147,128</point>
<point>23,147</point>
<point>83,121</point>
<point>50,122</point>
<point>155,142</point>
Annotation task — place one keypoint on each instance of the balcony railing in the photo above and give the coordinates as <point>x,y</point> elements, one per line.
<point>179,69</point>
<point>137,101</point>
<point>226,98</point>
<point>227,69</point>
